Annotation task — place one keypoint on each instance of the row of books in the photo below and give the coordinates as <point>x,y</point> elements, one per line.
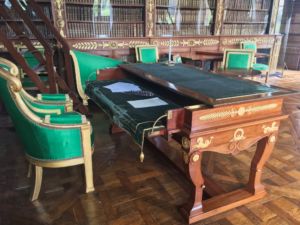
<point>185,30</point>
<point>248,4</point>
<point>99,30</point>
<point>244,29</point>
<point>4,29</point>
<point>123,2</point>
<point>246,16</point>
<point>203,16</point>
<point>118,14</point>
<point>295,29</point>
<point>46,9</point>
<point>187,3</point>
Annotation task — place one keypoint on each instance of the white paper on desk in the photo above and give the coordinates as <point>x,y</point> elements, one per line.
<point>151,102</point>
<point>122,87</point>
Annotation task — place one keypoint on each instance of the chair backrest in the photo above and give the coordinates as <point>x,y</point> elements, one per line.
<point>250,45</point>
<point>146,54</point>
<point>238,59</point>
<point>41,140</point>
<point>86,66</point>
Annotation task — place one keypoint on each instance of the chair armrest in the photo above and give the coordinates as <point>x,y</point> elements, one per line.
<point>66,118</point>
<point>53,97</point>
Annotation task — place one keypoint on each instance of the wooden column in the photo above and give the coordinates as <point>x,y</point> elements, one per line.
<point>150,18</point>
<point>274,55</point>
<point>273,16</point>
<point>59,16</point>
<point>219,17</point>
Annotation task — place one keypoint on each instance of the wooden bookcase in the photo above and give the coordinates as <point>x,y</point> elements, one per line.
<point>47,8</point>
<point>292,58</point>
<point>185,18</point>
<point>118,19</point>
<point>246,17</point>
<point>115,29</point>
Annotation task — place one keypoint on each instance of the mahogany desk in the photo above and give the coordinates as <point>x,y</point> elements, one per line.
<point>205,112</point>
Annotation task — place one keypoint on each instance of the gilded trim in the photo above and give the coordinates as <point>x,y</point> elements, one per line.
<point>202,143</point>
<point>270,129</point>
<point>93,45</point>
<point>235,112</point>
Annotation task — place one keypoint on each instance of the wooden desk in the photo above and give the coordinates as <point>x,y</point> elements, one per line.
<point>239,73</point>
<point>220,54</point>
<point>214,113</point>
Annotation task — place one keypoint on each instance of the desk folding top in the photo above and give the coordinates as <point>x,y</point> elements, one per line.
<point>209,88</point>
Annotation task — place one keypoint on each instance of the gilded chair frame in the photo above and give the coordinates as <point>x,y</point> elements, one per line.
<point>15,87</point>
<point>251,53</point>
<point>80,90</point>
<point>138,49</point>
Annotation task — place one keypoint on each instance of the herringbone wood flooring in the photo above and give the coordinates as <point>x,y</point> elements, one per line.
<point>131,193</point>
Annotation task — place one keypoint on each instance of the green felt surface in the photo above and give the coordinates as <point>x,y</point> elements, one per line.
<point>133,120</point>
<point>205,83</point>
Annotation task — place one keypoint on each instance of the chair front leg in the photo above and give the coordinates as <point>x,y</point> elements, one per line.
<point>88,170</point>
<point>37,183</point>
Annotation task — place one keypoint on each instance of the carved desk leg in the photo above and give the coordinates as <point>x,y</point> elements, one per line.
<point>264,149</point>
<point>194,205</point>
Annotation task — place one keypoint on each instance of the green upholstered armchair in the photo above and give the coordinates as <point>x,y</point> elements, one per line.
<point>238,59</point>
<point>52,141</point>
<point>256,66</point>
<point>146,53</point>
<point>86,66</point>
<point>44,103</point>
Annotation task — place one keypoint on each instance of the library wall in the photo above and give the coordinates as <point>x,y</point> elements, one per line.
<point>292,57</point>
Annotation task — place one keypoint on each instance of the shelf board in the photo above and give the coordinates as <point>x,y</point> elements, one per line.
<point>258,10</point>
<point>245,22</point>
<point>90,21</point>
<point>113,5</point>
<point>192,23</point>
<point>183,7</point>
<point>20,20</point>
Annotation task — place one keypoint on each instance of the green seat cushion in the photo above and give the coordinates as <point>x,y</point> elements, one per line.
<point>260,66</point>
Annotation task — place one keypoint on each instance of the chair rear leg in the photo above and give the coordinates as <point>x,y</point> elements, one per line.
<point>29,172</point>
<point>37,183</point>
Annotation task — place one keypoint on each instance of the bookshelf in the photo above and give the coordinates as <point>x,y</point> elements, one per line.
<point>246,17</point>
<point>118,18</point>
<point>47,9</point>
<point>184,17</point>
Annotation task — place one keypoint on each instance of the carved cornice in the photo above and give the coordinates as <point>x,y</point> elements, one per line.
<point>59,21</point>
<point>93,45</point>
<point>192,42</point>
<point>258,40</point>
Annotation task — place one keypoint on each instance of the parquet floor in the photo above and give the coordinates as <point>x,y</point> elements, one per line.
<point>131,193</point>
